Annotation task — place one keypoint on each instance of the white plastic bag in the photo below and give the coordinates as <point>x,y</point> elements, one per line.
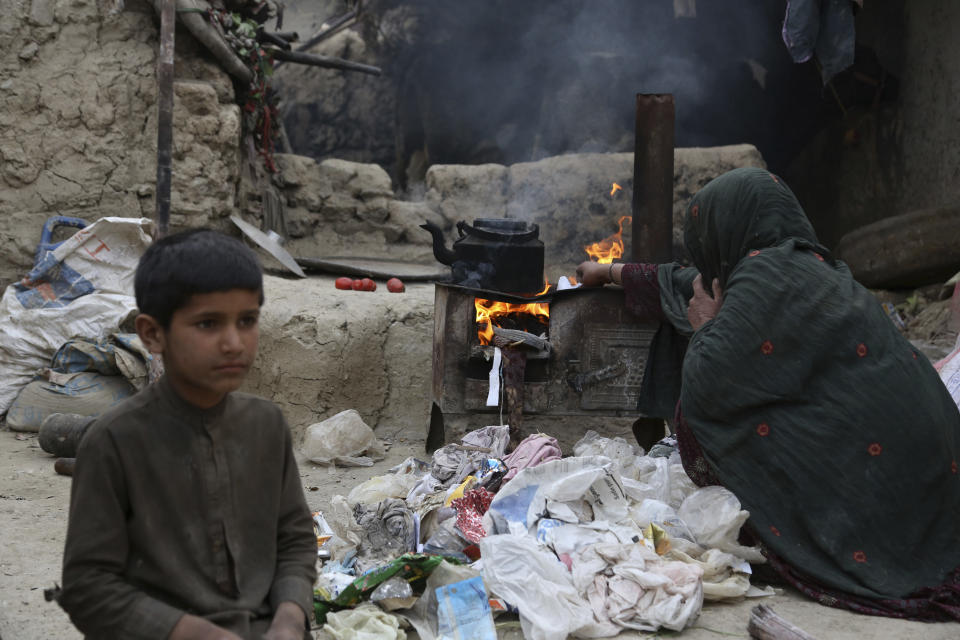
<point>342,439</point>
<point>518,570</point>
<point>660,479</point>
<point>570,489</point>
<point>663,515</point>
<point>344,525</point>
<point>725,576</point>
<point>714,517</point>
<point>377,488</point>
<point>83,288</point>
<point>616,448</point>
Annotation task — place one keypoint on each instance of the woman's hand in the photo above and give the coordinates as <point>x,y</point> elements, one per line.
<point>702,307</point>
<point>594,274</point>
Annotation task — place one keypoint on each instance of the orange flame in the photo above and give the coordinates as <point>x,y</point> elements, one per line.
<point>610,248</point>
<point>489,310</point>
<point>614,189</point>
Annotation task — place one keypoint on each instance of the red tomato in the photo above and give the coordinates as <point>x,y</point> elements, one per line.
<point>343,283</point>
<point>395,285</point>
<point>357,285</point>
<point>368,285</point>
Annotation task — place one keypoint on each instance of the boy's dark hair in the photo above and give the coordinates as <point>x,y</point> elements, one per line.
<point>196,261</point>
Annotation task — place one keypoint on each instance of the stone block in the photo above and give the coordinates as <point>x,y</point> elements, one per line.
<point>467,192</point>
<point>359,179</point>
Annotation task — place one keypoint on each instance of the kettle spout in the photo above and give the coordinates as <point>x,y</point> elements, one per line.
<point>440,252</point>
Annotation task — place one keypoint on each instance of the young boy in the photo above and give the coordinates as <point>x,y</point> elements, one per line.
<point>187,517</point>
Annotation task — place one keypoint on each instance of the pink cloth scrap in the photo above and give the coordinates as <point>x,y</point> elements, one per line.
<point>535,449</point>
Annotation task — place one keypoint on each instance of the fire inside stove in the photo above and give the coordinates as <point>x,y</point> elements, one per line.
<point>531,318</point>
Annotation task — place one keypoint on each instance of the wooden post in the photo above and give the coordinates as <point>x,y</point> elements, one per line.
<point>168,18</point>
<point>652,227</point>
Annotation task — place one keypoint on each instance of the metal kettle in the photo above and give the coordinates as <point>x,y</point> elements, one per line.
<point>494,253</point>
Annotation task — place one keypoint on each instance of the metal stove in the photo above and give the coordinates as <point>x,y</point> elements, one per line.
<point>597,351</point>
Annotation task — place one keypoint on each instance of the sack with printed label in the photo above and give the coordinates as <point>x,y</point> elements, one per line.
<point>81,289</point>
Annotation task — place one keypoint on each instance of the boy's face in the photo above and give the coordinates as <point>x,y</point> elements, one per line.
<point>210,343</point>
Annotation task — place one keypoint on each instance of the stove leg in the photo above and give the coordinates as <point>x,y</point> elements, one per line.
<point>436,434</point>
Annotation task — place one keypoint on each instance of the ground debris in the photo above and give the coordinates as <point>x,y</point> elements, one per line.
<point>766,625</point>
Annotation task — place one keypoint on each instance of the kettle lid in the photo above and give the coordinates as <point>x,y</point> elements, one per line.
<point>500,229</point>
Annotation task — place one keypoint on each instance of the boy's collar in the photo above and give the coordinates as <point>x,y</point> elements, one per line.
<point>185,408</point>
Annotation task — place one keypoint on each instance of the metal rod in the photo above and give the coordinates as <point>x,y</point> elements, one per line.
<point>165,116</point>
<point>652,227</point>
<point>328,62</point>
<point>329,29</point>
<point>289,36</point>
<point>272,38</point>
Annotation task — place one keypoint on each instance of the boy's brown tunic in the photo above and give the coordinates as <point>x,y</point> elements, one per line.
<point>175,509</point>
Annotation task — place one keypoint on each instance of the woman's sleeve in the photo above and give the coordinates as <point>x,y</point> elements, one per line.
<point>642,289</point>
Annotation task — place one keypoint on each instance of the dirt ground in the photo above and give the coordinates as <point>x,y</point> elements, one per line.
<point>33,518</point>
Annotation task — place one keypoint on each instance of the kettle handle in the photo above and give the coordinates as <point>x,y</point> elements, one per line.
<point>464,229</point>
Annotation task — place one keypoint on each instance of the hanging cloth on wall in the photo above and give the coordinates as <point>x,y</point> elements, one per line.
<point>823,28</point>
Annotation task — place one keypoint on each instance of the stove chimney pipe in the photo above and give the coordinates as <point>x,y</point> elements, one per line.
<point>652,227</point>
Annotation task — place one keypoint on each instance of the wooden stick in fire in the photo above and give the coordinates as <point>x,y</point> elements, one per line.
<point>517,337</point>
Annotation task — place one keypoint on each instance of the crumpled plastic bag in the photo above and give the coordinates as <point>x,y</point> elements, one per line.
<point>347,533</point>
<point>565,538</point>
<point>395,593</point>
<point>366,622</point>
<point>494,437</point>
<point>342,439</point>
<point>454,462</point>
<point>331,584</point>
<point>390,485</point>
<point>660,479</point>
<point>521,572</point>
<point>714,517</point>
<point>423,615</point>
<point>446,539</point>
<point>426,486</point>
<point>660,513</point>
<point>617,449</point>
<point>630,586</point>
<point>569,489</point>
<point>725,576</point>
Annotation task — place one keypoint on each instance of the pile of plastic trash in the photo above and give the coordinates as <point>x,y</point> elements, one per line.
<point>589,545</point>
